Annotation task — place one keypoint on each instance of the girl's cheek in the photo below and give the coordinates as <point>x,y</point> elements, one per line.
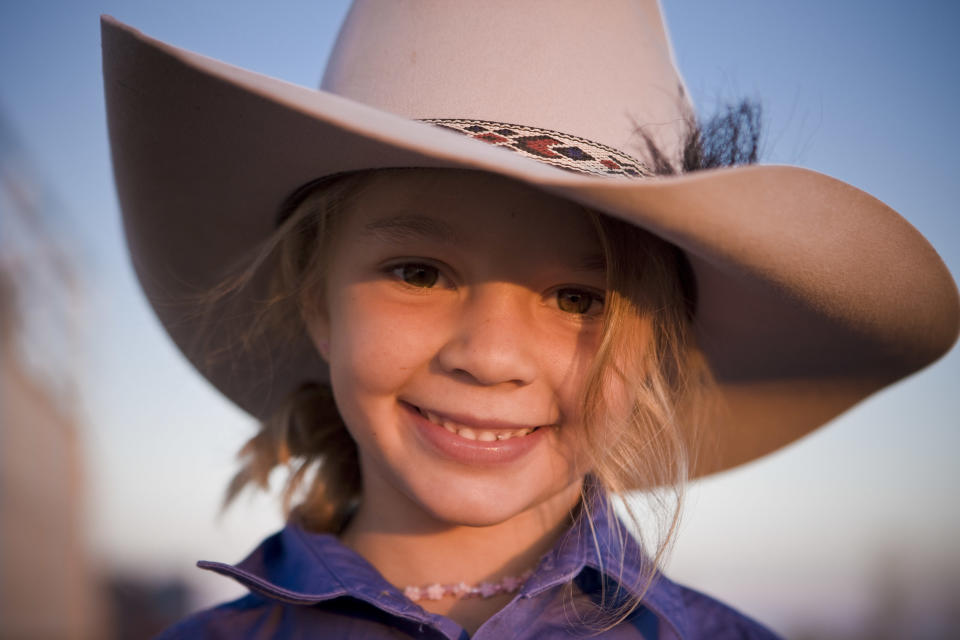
<point>376,343</point>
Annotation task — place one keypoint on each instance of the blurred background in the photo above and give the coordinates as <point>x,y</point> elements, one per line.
<point>114,452</point>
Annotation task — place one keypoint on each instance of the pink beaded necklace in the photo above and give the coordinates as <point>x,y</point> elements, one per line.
<point>437,591</point>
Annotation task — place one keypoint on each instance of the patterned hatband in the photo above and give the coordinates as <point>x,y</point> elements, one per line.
<point>551,147</point>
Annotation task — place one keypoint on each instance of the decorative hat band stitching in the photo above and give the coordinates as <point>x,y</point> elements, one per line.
<point>551,147</point>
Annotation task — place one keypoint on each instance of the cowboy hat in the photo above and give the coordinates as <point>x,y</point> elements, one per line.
<point>811,294</point>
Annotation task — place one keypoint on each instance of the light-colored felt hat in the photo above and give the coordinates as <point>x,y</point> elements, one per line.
<point>811,294</point>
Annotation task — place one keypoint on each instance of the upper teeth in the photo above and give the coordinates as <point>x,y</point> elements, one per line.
<point>470,433</point>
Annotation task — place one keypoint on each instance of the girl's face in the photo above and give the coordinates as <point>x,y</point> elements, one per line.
<point>460,316</point>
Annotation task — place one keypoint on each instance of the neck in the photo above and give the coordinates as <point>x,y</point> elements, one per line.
<point>411,547</point>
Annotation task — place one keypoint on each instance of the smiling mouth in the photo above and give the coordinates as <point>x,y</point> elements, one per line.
<point>474,433</point>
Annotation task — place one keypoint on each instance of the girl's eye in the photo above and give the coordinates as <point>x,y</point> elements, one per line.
<point>417,275</point>
<point>578,301</point>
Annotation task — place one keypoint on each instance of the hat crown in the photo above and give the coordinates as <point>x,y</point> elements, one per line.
<point>597,71</point>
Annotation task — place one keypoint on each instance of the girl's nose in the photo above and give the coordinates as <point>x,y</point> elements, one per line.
<point>493,339</point>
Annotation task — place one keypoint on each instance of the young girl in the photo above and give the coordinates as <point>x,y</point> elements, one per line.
<point>470,315</point>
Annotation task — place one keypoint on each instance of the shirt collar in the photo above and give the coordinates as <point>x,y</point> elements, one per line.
<point>298,567</point>
<point>600,541</point>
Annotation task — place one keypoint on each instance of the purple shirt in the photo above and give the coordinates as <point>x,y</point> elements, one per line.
<point>305,585</point>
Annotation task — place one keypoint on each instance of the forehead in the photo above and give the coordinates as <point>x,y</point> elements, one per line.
<point>466,208</point>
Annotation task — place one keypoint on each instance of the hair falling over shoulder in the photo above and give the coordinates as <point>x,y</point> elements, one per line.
<point>307,435</point>
<point>650,303</point>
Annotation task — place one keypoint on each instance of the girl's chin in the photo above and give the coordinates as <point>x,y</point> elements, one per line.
<point>479,503</point>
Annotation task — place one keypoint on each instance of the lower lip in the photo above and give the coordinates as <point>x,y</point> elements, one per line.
<point>473,452</point>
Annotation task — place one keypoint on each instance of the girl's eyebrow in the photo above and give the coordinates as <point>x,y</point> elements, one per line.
<point>406,227</point>
<point>592,262</point>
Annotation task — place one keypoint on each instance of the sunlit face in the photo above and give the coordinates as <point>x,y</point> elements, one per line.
<point>461,314</point>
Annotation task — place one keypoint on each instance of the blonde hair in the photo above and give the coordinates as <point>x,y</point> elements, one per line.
<point>646,348</point>
<point>307,434</point>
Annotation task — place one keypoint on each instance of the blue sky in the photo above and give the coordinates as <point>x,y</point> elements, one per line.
<point>864,91</point>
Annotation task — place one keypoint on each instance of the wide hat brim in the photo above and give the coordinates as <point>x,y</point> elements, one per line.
<point>811,293</point>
